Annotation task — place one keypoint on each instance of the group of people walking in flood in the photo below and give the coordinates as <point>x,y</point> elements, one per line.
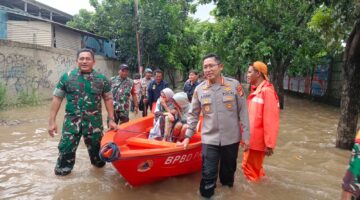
<point>230,119</point>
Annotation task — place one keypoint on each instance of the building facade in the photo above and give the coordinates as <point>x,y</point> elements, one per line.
<point>32,22</point>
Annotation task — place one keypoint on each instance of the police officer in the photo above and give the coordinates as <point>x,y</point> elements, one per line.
<point>83,88</point>
<point>223,104</point>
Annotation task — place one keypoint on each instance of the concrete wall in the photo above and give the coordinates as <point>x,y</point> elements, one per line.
<point>27,66</point>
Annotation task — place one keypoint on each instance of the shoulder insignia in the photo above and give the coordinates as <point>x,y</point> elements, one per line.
<point>240,90</point>
<point>227,88</point>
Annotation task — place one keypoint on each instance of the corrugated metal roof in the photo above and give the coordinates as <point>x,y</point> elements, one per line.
<point>36,3</point>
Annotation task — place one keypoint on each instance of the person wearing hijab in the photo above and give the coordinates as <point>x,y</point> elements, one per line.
<point>182,106</point>
<point>165,113</point>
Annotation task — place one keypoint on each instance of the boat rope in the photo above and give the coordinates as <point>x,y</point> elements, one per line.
<point>109,152</point>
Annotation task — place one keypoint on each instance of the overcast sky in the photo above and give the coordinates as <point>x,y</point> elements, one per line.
<point>73,6</point>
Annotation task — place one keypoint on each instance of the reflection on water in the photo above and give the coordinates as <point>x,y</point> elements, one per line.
<point>305,164</point>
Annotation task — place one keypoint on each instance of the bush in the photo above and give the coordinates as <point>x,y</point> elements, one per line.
<point>27,98</point>
<point>2,95</point>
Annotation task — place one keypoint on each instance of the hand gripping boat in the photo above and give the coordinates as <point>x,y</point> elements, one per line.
<point>141,161</point>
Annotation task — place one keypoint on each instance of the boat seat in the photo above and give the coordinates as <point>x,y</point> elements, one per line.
<point>146,143</point>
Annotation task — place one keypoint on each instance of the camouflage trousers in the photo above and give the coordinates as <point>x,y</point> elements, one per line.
<point>70,141</point>
<point>120,117</point>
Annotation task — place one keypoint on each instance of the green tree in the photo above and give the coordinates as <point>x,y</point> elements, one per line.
<point>186,50</point>
<point>162,28</point>
<point>335,21</point>
<point>268,30</point>
<point>83,21</point>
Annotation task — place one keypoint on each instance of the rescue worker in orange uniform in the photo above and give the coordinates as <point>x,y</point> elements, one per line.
<point>263,107</point>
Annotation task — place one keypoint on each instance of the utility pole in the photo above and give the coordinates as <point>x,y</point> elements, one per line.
<point>138,37</point>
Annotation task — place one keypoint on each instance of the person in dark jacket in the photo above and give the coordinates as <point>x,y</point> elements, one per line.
<point>191,84</point>
<point>155,88</point>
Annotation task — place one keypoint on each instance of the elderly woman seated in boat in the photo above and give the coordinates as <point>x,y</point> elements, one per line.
<point>182,106</point>
<point>165,113</point>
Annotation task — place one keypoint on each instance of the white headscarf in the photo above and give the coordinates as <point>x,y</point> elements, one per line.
<point>182,100</point>
<point>168,93</point>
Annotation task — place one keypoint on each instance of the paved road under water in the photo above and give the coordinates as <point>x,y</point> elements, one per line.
<point>306,165</point>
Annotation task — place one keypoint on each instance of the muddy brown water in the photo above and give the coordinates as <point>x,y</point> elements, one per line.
<point>306,165</point>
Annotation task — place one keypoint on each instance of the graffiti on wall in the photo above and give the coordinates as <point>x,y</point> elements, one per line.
<point>23,72</point>
<point>319,84</point>
<point>298,84</point>
<point>63,64</point>
<point>315,85</point>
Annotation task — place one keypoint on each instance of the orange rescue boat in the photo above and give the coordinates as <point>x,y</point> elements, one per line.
<point>142,161</point>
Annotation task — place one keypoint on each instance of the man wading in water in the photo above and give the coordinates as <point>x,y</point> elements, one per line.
<point>83,88</point>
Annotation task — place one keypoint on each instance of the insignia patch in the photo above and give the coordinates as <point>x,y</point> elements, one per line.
<point>204,87</point>
<point>227,88</point>
<point>207,108</point>
<point>240,90</point>
<point>229,106</point>
<point>145,166</point>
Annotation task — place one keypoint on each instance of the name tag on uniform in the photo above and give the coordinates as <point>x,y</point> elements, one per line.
<point>228,93</point>
<point>203,96</point>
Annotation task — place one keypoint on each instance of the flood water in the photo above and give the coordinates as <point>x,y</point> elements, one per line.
<point>306,165</point>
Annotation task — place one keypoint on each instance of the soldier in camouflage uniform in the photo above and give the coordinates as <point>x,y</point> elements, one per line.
<point>122,87</point>
<point>145,81</point>
<point>83,88</point>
